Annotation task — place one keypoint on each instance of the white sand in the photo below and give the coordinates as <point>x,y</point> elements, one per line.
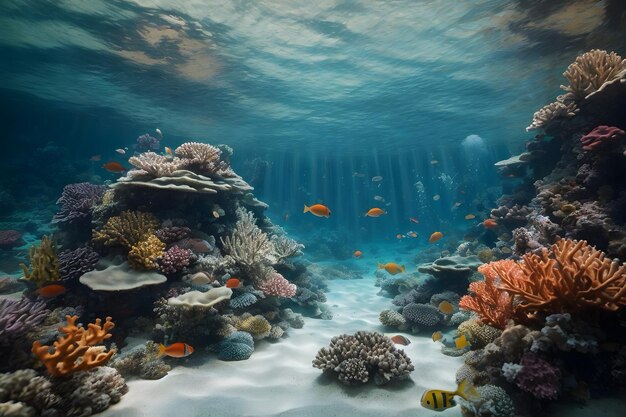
<point>279,380</point>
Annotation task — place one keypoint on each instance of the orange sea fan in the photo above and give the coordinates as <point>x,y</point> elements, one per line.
<point>493,305</point>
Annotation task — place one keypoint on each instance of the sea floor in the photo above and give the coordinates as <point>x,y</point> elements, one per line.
<point>279,380</point>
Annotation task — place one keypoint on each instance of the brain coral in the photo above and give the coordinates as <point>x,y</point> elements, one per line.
<point>355,359</point>
<point>258,326</point>
<point>422,314</point>
<point>236,347</point>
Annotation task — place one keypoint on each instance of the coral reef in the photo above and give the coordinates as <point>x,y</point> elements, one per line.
<point>174,260</point>
<point>425,315</point>
<point>78,350</point>
<point>257,326</point>
<point>74,263</point>
<point>601,136</point>
<point>538,377</point>
<point>355,359</point>
<point>145,254</point>
<point>492,401</point>
<point>120,278</point>
<point>477,333</point>
<point>77,201</point>
<point>143,362</point>
<point>236,347</point>
<point>10,239</point>
<point>277,286</point>
<point>44,263</point>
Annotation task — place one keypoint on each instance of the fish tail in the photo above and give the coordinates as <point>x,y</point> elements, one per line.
<point>467,391</point>
<point>161,350</point>
<point>402,268</point>
<point>380,266</point>
<point>306,209</point>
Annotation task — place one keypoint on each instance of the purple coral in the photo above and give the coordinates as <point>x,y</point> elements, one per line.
<point>10,238</point>
<point>538,377</point>
<point>148,143</point>
<point>77,200</point>
<point>174,260</point>
<point>74,263</point>
<point>171,234</point>
<point>18,317</point>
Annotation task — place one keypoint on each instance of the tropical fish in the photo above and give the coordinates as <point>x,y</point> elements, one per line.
<point>439,400</point>
<point>400,236</point>
<point>436,197</point>
<point>318,210</point>
<point>378,198</point>
<point>434,162</point>
<point>120,151</point>
<point>490,224</point>
<point>95,158</point>
<point>469,216</point>
<point>435,237</point>
<point>377,178</point>
<point>176,350</point>
<point>52,290</point>
<point>412,234</point>
<point>233,283</point>
<point>375,212</point>
<point>446,308</point>
<point>392,267</point>
<point>200,278</point>
<point>114,167</point>
<point>168,150</point>
<point>461,342</point>
<point>158,133</point>
<point>414,220</point>
<point>400,340</point>
<point>437,336</point>
<point>358,253</point>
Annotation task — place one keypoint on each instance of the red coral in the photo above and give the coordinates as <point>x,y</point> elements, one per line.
<point>538,377</point>
<point>601,134</point>
<point>493,305</point>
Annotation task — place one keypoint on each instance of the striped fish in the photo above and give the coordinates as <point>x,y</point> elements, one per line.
<point>439,400</point>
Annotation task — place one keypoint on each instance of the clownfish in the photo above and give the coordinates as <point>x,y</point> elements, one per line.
<point>176,350</point>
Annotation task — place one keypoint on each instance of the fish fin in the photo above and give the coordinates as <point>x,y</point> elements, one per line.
<point>402,268</point>
<point>380,266</point>
<point>467,391</point>
<point>306,209</point>
<point>161,350</point>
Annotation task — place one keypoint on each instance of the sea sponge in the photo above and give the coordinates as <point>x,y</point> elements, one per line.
<point>391,318</point>
<point>127,229</point>
<point>422,314</point>
<point>257,326</point>
<point>44,263</point>
<point>236,347</point>
<point>145,254</point>
<point>355,359</point>
<point>477,333</point>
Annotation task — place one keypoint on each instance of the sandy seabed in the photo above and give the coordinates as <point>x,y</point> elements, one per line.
<point>279,380</point>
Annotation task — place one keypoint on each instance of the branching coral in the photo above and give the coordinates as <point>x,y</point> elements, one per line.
<point>78,350</point>
<point>74,263</point>
<point>127,229</point>
<point>44,263</point>
<point>203,158</point>
<point>591,70</point>
<point>493,305</point>
<point>285,247</point>
<point>276,285</point>
<point>155,164</point>
<point>538,377</point>
<point>174,260</point>
<point>77,200</point>
<point>145,254</point>
<point>571,277</point>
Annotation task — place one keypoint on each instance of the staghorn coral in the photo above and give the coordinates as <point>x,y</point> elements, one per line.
<point>591,70</point>
<point>74,263</point>
<point>44,263</point>
<point>145,254</point>
<point>277,286</point>
<point>78,350</point>
<point>203,158</point>
<point>174,260</point>
<point>77,200</point>
<point>127,229</point>
<point>493,305</point>
<point>572,276</point>
<point>478,334</point>
<point>257,326</point>
<point>355,359</point>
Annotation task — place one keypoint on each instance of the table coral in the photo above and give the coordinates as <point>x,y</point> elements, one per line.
<point>127,229</point>
<point>44,263</point>
<point>572,276</point>
<point>78,350</point>
<point>145,254</point>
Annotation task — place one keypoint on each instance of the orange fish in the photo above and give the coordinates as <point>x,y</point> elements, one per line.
<point>490,224</point>
<point>437,336</point>
<point>358,253</point>
<point>168,150</point>
<point>95,158</point>
<point>114,167</point>
<point>412,234</point>
<point>50,291</point>
<point>375,212</point>
<point>318,210</point>
<point>446,308</point>
<point>392,267</point>
<point>400,236</point>
<point>176,350</point>
<point>233,283</point>
<point>469,216</point>
<point>414,220</point>
<point>435,237</point>
<point>400,340</point>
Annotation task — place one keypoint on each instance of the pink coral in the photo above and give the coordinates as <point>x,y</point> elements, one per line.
<point>174,260</point>
<point>538,377</point>
<point>276,285</point>
<point>601,134</point>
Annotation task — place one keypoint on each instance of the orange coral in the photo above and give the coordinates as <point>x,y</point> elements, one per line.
<point>77,350</point>
<point>493,305</point>
<point>572,276</point>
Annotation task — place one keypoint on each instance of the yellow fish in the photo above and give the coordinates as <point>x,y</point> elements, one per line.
<point>461,342</point>
<point>469,216</point>
<point>446,308</point>
<point>439,400</point>
<point>437,336</point>
<point>392,267</point>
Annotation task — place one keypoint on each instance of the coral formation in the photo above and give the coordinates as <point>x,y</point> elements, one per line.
<point>422,314</point>
<point>355,359</point>
<point>478,334</point>
<point>538,377</point>
<point>145,254</point>
<point>591,70</point>
<point>174,260</point>
<point>44,263</point>
<point>236,347</point>
<point>78,350</point>
<point>77,201</point>
<point>127,229</point>
<point>492,401</point>
<point>74,263</point>
<point>202,299</point>
<point>257,326</point>
<point>601,135</point>
<point>143,362</point>
<point>120,278</point>
<point>277,286</point>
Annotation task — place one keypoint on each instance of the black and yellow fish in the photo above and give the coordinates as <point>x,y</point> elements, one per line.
<point>439,400</point>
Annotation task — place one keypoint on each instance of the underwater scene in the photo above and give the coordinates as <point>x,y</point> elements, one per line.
<point>288,208</point>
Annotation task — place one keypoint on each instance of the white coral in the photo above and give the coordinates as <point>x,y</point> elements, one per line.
<point>591,70</point>
<point>285,247</point>
<point>155,164</point>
